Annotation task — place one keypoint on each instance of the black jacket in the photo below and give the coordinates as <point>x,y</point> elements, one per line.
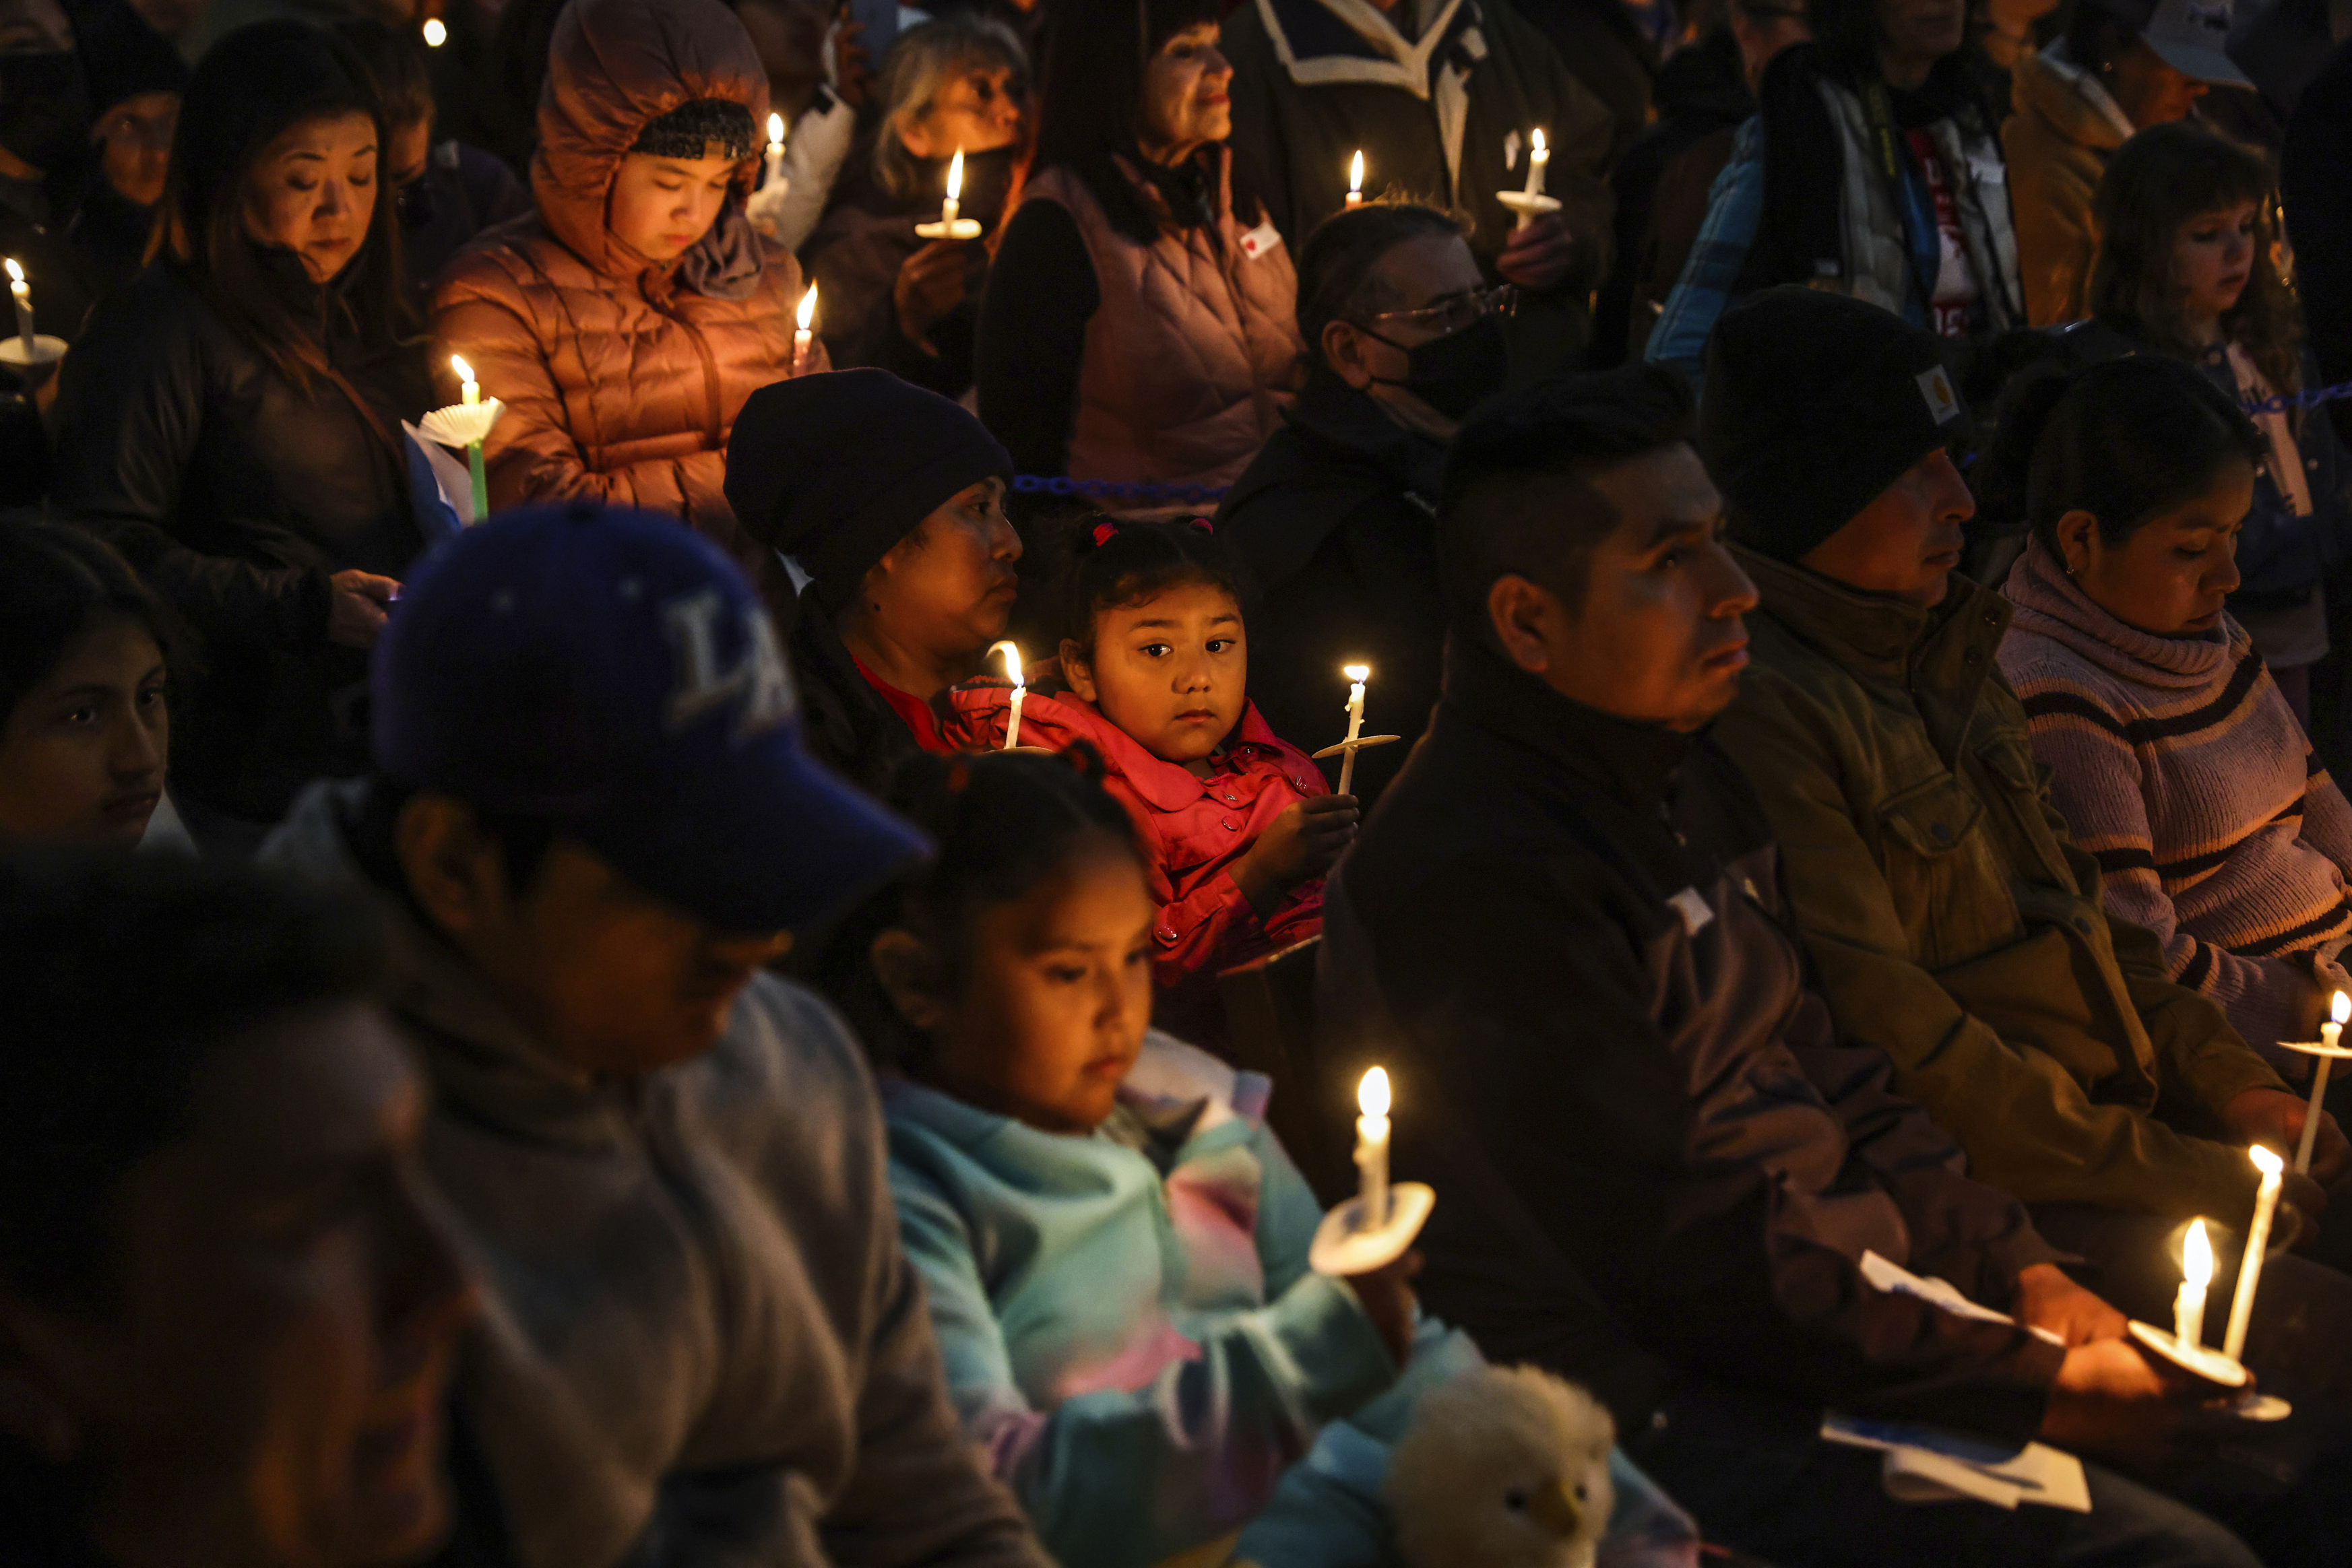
<point>2317,196</point>
<point>1336,518</point>
<point>1658,1166</point>
<point>237,494</point>
<point>846,724</point>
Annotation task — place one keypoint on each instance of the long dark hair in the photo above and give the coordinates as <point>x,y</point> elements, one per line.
<point>1093,91</point>
<point>251,87</point>
<point>1114,564</point>
<point>2125,440</point>
<point>56,584</point>
<point>2158,182</point>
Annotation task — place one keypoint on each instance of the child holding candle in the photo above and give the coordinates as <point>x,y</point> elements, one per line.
<point>1113,1246</point>
<point>1238,826</point>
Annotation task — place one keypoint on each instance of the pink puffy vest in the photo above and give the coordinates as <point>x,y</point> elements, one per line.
<point>1193,354</point>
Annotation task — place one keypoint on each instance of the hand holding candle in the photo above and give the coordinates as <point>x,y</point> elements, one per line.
<point>1020,691</point>
<point>802,333</point>
<point>2196,1273</point>
<point>1356,739</point>
<point>2331,1037</point>
<point>1372,1148</point>
<point>1356,181</point>
<point>1531,203</point>
<point>2258,1242</point>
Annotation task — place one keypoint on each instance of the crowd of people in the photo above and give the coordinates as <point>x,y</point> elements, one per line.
<point>674,889</point>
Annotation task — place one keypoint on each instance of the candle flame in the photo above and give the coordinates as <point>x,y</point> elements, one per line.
<point>2269,1163</point>
<point>1359,673</point>
<point>465,371</point>
<point>2197,1257</point>
<point>1356,173</point>
<point>955,175</point>
<point>807,312</point>
<point>2341,1009</point>
<point>1012,654</point>
<point>1540,152</point>
<point>16,273</point>
<point>1372,1095</point>
<point>775,130</point>
<point>435,33</point>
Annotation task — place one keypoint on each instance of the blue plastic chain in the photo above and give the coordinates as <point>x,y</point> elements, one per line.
<point>1060,484</point>
<point>2311,399</point>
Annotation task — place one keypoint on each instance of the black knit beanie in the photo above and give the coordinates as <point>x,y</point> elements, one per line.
<point>1816,402</point>
<point>835,469</point>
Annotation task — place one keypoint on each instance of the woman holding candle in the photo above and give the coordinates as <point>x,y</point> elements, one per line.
<point>1113,1245</point>
<point>624,325</point>
<point>1137,327</point>
<point>1238,826</point>
<point>231,421</point>
<point>2173,756</point>
<point>893,297</point>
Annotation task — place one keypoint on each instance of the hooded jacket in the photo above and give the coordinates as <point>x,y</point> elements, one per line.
<point>1953,923</point>
<point>2057,143</point>
<point>622,377</point>
<point>2180,765</point>
<point>703,1343</point>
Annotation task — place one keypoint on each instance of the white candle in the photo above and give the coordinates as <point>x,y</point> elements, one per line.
<point>23,294</point>
<point>2196,1273</point>
<point>2330,1034</point>
<point>800,333</point>
<point>775,149</point>
<point>469,391</point>
<point>1020,690</point>
<point>1372,1147</point>
<point>2258,1241</point>
<point>1535,162</point>
<point>955,189</point>
<point>436,32</point>
<point>1356,181</point>
<point>1359,673</point>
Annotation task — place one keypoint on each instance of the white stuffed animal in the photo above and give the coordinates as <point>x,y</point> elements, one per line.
<point>1506,1467</point>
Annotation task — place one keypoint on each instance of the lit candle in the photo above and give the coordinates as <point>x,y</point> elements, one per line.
<point>469,391</point>
<point>436,33</point>
<point>1359,673</point>
<point>2196,1273</point>
<point>1372,1147</point>
<point>955,189</point>
<point>775,149</point>
<point>1356,181</point>
<point>801,334</point>
<point>1020,690</point>
<point>1535,162</point>
<point>23,293</point>
<point>2330,1034</point>
<point>2258,1241</point>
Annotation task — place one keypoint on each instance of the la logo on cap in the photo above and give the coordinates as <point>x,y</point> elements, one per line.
<point>1936,388</point>
<point>759,679</point>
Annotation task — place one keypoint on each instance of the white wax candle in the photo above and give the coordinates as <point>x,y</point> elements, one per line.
<point>436,32</point>
<point>2330,1033</point>
<point>775,149</point>
<point>1359,673</point>
<point>1372,1147</point>
<point>2196,1273</point>
<point>2258,1241</point>
<point>22,293</point>
<point>469,391</point>
<point>1356,181</point>
<point>1535,162</point>
<point>802,335</point>
<point>1020,691</point>
<point>955,189</point>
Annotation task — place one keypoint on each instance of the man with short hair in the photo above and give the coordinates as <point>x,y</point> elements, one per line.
<point>229,1298</point>
<point>1952,922</point>
<point>1660,1173</point>
<point>1335,515</point>
<point>596,821</point>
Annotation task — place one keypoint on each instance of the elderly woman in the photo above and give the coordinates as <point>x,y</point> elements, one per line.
<point>1139,326</point>
<point>624,322</point>
<point>892,299</point>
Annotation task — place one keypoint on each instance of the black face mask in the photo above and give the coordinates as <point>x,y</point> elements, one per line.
<point>44,107</point>
<point>1454,373</point>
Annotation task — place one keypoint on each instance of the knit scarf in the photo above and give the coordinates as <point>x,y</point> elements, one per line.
<point>2048,604</point>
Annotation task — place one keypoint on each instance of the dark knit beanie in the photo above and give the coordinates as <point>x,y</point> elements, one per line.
<point>1815,403</point>
<point>835,469</point>
<point>687,130</point>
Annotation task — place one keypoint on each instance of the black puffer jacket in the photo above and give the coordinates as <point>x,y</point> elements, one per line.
<point>237,494</point>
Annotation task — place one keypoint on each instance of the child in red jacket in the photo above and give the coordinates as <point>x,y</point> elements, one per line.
<point>1238,826</point>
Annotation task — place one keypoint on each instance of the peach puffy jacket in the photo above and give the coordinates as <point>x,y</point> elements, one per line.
<point>623,378</point>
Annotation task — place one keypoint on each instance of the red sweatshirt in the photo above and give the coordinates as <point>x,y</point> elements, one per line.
<point>1192,829</point>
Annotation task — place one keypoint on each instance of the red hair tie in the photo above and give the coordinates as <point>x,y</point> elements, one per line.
<point>1104,533</point>
<point>1204,525</point>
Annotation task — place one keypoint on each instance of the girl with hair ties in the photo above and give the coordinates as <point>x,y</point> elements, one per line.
<point>230,421</point>
<point>2174,757</point>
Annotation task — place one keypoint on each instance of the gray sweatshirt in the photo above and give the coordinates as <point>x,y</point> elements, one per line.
<point>703,1344</point>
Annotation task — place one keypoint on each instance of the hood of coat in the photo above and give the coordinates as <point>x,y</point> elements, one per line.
<point>613,67</point>
<point>2049,605</point>
<point>2069,99</point>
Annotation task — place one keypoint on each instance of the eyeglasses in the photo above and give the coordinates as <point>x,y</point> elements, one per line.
<point>1455,311</point>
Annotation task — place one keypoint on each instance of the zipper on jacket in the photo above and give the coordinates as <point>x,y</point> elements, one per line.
<point>715,426</point>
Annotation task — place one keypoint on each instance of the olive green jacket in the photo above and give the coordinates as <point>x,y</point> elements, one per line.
<point>1953,923</point>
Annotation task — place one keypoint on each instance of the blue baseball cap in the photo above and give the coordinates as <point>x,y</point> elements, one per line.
<point>612,672</point>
